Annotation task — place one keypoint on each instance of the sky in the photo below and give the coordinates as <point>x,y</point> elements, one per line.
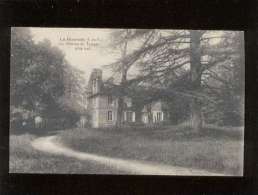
<point>94,53</point>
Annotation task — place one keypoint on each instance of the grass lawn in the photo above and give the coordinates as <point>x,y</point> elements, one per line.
<point>25,159</point>
<point>214,149</point>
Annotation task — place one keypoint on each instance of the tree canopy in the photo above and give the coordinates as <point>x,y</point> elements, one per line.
<point>40,78</point>
<point>204,67</point>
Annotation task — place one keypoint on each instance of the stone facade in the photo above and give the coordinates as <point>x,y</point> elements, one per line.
<point>102,107</point>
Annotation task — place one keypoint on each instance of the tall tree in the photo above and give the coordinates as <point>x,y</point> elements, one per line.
<point>176,62</point>
<point>38,74</point>
<point>124,41</point>
<point>195,74</point>
<point>124,70</point>
<point>225,83</point>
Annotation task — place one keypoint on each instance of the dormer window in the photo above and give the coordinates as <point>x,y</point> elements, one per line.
<point>128,102</point>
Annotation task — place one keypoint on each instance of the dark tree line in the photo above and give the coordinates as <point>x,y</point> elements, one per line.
<point>205,68</point>
<point>40,80</point>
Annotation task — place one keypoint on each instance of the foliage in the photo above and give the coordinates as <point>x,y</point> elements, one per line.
<point>225,84</point>
<point>40,76</point>
<point>164,63</point>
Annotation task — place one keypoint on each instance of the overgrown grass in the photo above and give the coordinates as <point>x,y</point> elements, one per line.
<point>25,159</point>
<point>219,150</point>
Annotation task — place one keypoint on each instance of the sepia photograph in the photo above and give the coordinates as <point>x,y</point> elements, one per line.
<point>127,101</point>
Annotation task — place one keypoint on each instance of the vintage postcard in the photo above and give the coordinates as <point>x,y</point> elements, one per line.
<point>127,101</point>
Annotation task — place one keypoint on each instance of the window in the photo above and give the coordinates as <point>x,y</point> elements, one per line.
<point>109,116</point>
<point>159,116</point>
<point>94,85</point>
<point>128,102</point>
<point>110,100</point>
<point>129,116</point>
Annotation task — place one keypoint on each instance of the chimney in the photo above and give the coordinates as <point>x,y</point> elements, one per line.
<point>96,80</point>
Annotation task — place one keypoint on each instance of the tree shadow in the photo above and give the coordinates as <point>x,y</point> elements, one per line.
<point>35,131</point>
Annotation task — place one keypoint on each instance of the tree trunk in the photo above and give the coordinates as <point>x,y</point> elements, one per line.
<point>120,113</point>
<point>242,62</point>
<point>150,117</point>
<point>196,120</point>
<point>195,74</point>
<point>242,77</point>
<point>138,114</point>
<point>120,108</point>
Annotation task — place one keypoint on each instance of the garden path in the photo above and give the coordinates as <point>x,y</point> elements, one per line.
<point>49,144</point>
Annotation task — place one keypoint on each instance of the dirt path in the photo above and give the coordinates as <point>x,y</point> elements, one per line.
<point>48,144</point>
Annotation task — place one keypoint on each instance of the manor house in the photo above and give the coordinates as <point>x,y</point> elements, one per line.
<point>102,106</point>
